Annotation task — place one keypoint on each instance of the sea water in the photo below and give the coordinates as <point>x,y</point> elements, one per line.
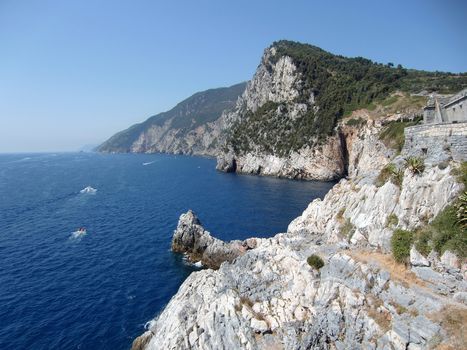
<point>61,288</point>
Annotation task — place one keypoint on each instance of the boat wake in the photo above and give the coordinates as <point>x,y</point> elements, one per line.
<point>147,163</point>
<point>88,190</point>
<point>78,234</point>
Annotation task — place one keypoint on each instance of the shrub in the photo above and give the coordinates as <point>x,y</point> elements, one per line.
<point>355,122</point>
<point>393,136</point>
<point>423,239</point>
<point>415,165</point>
<point>392,173</point>
<point>347,229</point>
<point>315,261</point>
<point>461,174</point>
<point>401,242</point>
<point>392,220</point>
<point>461,207</point>
<point>448,234</point>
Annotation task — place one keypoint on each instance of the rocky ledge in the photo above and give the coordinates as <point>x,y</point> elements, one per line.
<point>270,297</point>
<point>193,240</point>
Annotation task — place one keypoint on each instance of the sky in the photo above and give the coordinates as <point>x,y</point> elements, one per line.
<point>73,73</point>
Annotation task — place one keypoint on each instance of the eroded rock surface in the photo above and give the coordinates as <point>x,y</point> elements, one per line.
<point>271,298</point>
<point>192,239</point>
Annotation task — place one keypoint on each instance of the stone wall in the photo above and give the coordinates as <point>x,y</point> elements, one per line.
<point>436,142</point>
<point>456,111</point>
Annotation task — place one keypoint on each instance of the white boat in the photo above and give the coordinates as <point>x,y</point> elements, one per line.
<point>88,189</point>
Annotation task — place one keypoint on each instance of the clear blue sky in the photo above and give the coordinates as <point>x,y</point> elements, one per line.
<point>75,72</point>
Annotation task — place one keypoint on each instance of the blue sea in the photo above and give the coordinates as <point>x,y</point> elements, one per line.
<point>59,290</point>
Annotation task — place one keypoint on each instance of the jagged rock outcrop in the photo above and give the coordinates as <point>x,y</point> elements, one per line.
<point>359,212</point>
<point>323,162</point>
<point>192,239</point>
<point>271,298</point>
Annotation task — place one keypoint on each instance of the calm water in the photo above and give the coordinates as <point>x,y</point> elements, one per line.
<point>97,291</point>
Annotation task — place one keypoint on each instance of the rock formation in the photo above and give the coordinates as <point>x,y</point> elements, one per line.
<point>286,121</point>
<point>191,127</point>
<point>271,298</point>
<point>192,239</point>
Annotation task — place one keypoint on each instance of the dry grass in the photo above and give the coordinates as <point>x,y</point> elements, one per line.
<point>453,319</point>
<point>383,319</point>
<point>399,272</point>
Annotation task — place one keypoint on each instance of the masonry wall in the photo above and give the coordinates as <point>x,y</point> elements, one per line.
<point>457,112</point>
<point>436,142</point>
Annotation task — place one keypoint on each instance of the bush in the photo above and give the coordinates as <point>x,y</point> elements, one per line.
<point>392,220</point>
<point>315,261</point>
<point>390,172</point>
<point>415,165</point>
<point>401,242</point>
<point>462,211</point>
<point>448,234</point>
<point>443,233</point>
<point>393,134</point>
<point>423,240</point>
<point>347,229</point>
<point>357,122</point>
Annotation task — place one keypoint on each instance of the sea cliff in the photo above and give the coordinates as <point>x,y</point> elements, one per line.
<point>289,119</point>
<point>274,295</point>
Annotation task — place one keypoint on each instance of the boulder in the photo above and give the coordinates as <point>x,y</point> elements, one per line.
<point>191,238</point>
<point>417,259</point>
<point>450,260</point>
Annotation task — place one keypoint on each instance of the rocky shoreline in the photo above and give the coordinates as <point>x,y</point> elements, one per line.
<point>262,293</point>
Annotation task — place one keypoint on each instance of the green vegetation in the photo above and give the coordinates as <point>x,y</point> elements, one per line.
<point>201,108</point>
<point>401,241</point>
<point>347,229</point>
<point>393,136</point>
<point>415,165</point>
<point>423,240</point>
<point>390,173</point>
<point>461,207</point>
<point>392,220</point>
<point>461,174</point>
<point>357,122</point>
<point>340,85</point>
<point>445,232</point>
<point>315,261</point>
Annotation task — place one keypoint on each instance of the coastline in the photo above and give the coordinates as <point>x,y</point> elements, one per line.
<point>269,297</point>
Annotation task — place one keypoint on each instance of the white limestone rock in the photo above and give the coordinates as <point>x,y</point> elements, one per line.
<point>450,260</point>
<point>417,259</point>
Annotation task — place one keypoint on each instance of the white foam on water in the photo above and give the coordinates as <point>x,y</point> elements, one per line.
<point>198,264</point>
<point>187,262</point>
<point>147,163</point>
<point>77,235</point>
<point>149,324</point>
<point>88,190</point>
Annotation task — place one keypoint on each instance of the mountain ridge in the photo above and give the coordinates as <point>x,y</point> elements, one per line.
<point>286,121</point>
<point>206,106</point>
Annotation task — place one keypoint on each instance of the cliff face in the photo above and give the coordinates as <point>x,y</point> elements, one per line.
<point>285,122</point>
<point>191,127</point>
<point>269,297</point>
<point>272,100</point>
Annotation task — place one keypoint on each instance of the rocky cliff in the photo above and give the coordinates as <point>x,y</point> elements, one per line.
<point>191,127</point>
<point>273,295</point>
<point>286,121</point>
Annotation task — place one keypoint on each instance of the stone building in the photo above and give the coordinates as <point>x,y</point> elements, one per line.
<point>440,109</point>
